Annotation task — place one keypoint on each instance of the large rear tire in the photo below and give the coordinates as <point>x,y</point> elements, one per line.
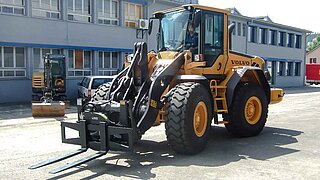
<point>249,111</point>
<point>101,92</point>
<point>188,118</point>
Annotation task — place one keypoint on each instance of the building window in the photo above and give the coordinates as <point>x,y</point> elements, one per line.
<point>12,62</point>
<point>239,29</point>
<point>38,54</point>
<point>108,63</point>
<point>46,8</point>
<point>12,6</point>
<point>244,31</point>
<point>272,37</point>
<point>262,36</point>
<point>290,69</point>
<point>313,60</point>
<point>252,34</point>
<point>79,10</point>
<point>281,38</point>
<point>298,41</point>
<point>108,12</point>
<point>133,12</point>
<point>290,40</point>
<point>281,68</point>
<point>297,68</point>
<point>79,63</point>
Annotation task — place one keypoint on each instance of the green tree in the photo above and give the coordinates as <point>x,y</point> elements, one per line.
<point>315,43</point>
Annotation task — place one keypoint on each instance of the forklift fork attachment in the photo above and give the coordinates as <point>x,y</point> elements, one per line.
<point>78,162</point>
<point>60,158</point>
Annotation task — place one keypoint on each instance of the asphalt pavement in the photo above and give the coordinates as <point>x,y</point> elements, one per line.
<point>288,148</point>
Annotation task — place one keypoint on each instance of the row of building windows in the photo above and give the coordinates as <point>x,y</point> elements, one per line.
<point>12,6</point>
<point>267,36</point>
<point>12,62</point>
<point>79,62</point>
<point>286,68</point>
<point>78,10</point>
<point>240,29</point>
<point>273,37</point>
<point>282,68</point>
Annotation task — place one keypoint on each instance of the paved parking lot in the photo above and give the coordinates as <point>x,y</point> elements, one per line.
<point>288,148</point>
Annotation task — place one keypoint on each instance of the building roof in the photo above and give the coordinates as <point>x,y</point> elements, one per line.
<point>265,20</point>
<point>234,11</point>
<point>311,37</point>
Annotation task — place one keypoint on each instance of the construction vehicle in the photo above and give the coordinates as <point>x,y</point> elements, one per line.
<point>49,87</point>
<point>185,88</point>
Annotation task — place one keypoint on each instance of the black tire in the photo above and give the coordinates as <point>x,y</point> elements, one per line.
<point>238,124</point>
<point>180,110</point>
<point>101,92</point>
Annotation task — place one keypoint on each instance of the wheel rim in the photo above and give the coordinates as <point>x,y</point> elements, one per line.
<point>253,110</point>
<point>200,119</point>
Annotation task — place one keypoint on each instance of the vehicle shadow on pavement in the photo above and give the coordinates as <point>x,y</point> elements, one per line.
<point>221,149</point>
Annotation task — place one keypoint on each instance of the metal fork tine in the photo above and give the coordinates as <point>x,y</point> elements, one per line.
<point>78,162</point>
<point>60,158</point>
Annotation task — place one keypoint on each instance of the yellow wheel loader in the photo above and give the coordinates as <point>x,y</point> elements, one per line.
<point>49,88</point>
<point>192,78</point>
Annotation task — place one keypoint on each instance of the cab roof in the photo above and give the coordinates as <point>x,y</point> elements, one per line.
<point>196,6</point>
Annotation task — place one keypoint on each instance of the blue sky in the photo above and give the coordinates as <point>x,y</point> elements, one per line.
<point>301,14</point>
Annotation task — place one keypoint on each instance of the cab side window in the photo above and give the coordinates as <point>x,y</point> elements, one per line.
<point>213,37</point>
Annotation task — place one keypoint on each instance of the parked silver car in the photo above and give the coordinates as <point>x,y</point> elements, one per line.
<point>89,84</point>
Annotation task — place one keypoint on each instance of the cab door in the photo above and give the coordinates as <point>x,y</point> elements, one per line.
<point>212,37</point>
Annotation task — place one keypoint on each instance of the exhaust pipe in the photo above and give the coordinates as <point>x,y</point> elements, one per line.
<point>230,30</point>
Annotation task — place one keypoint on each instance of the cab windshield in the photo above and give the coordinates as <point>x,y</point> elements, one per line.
<point>172,32</point>
<point>57,67</point>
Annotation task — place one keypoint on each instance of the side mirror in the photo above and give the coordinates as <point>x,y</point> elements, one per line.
<point>230,30</point>
<point>268,75</point>
<point>150,27</point>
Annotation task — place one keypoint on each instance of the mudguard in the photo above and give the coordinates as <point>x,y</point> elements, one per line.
<point>236,78</point>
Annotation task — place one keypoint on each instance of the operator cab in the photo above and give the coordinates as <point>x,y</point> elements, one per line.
<point>190,28</point>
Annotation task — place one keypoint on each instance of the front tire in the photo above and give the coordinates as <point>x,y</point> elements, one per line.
<point>101,93</point>
<point>188,118</point>
<point>249,111</point>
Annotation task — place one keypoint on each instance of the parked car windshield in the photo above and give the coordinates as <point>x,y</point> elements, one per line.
<point>98,81</point>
